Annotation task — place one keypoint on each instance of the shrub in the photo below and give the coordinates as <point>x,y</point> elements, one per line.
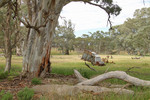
<point>5,96</point>
<point>25,94</point>
<point>3,75</point>
<point>36,81</point>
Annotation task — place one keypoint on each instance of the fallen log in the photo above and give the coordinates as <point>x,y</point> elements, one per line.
<point>116,74</point>
<point>79,76</point>
<point>84,86</point>
<point>64,90</point>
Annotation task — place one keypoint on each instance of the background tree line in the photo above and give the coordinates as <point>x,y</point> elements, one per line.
<point>133,37</point>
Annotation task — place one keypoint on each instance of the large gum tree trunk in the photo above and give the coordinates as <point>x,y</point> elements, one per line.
<point>36,56</point>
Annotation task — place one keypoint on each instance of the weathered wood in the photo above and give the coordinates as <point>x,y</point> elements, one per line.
<point>73,90</point>
<point>79,76</point>
<point>116,74</point>
<point>82,87</point>
<point>90,67</point>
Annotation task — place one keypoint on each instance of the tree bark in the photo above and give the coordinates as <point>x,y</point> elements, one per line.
<point>7,39</point>
<point>36,56</point>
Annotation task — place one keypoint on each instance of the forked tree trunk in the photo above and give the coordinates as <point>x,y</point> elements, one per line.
<point>36,57</point>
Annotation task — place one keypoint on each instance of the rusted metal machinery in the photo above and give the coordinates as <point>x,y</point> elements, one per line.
<point>92,57</point>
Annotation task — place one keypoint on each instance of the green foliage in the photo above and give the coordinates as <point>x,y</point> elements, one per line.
<point>133,35</point>
<point>98,42</point>
<point>25,94</point>
<point>64,37</point>
<point>5,96</point>
<point>3,75</point>
<point>36,81</point>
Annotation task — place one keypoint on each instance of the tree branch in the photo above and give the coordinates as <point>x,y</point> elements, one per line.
<point>106,10</point>
<point>119,75</point>
<point>90,67</point>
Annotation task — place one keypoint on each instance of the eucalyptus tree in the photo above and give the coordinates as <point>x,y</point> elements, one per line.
<point>133,35</point>
<point>143,33</point>
<point>43,17</point>
<point>10,31</point>
<point>99,41</point>
<point>64,37</point>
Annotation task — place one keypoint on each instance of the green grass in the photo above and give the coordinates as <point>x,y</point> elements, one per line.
<point>5,96</point>
<point>64,64</point>
<point>36,81</point>
<point>25,94</point>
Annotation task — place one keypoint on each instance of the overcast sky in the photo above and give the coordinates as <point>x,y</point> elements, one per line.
<point>88,18</point>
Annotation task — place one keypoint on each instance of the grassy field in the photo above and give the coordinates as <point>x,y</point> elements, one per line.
<point>64,64</point>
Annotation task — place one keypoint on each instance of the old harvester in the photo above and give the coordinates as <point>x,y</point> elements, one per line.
<point>92,57</point>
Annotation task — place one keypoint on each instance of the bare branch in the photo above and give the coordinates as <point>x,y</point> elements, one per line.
<point>116,74</point>
<point>131,68</point>
<point>108,20</point>
<point>90,67</point>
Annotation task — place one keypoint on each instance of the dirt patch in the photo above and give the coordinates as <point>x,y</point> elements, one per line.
<point>15,85</point>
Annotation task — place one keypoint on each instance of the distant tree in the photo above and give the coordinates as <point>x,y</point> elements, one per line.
<point>133,35</point>
<point>10,31</point>
<point>64,37</point>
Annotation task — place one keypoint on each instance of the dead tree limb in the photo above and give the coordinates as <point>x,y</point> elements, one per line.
<point>79,88</point>
<point>73,90</point>
<point>131,68</point>
<point>116,74</point>
<point>90,67</point>
<point>107,69</point>
<point>79,76</point>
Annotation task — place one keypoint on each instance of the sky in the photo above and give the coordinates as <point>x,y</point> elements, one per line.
<point>88,18</point>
